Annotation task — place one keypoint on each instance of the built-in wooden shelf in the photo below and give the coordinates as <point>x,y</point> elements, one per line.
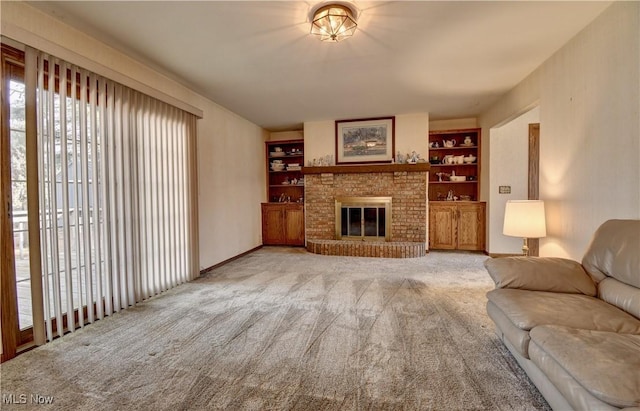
<point>367,168</point>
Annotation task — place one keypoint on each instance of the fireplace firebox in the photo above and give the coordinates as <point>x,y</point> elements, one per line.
<point>363,218</point>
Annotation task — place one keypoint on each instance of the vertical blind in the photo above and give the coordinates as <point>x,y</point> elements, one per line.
<point>115,171</point>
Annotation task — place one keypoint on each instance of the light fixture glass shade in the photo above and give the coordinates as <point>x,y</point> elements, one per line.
<point>333,22</point>
<point>524,218</point>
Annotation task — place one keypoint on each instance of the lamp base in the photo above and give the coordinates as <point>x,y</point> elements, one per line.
<point>525,247</point>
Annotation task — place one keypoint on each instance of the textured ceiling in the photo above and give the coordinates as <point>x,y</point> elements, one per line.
<point>451,59</point>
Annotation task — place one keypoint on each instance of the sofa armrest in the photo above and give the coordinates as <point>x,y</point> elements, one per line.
<point>540,274</point>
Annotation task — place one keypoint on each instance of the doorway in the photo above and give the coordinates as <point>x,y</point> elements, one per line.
<point>514,175</point>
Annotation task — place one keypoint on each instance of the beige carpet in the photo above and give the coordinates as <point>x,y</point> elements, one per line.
<point>284,329</point>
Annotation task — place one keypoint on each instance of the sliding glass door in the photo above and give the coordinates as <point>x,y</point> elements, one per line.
<point>20,214</point>
<point>17,320</point>
<point>99,198</point>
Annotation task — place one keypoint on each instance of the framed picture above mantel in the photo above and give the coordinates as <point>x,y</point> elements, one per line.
<point>368,140</point>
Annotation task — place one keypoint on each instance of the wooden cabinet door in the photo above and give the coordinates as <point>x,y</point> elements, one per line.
<point>272,225</point>
<point>442,226</point>
<point>471,226</point>
<point>294,225</point>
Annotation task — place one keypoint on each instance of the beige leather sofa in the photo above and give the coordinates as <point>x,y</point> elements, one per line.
<point>575,328</point>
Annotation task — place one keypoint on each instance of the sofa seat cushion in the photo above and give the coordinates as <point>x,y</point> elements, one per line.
<point>528,309</point>
<point>516,312</point>
<point>506,330</point>
<point>606,364</point>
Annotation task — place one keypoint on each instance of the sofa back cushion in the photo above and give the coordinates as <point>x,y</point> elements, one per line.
<point>540,274</point>
<point>615,252</point>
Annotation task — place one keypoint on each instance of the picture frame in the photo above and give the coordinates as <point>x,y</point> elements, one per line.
<point>368,140</point>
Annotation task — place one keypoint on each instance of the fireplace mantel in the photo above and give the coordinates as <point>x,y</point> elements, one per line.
<point>367,168</point>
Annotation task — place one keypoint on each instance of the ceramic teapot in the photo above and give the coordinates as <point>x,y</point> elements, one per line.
<point>449,143</point>
<point>448,159</point>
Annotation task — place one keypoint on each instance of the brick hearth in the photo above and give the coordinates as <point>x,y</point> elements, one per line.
<point>367,248</point>
<point>407,188</point>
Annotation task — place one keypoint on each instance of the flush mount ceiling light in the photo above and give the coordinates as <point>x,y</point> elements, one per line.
<point>333,22</point>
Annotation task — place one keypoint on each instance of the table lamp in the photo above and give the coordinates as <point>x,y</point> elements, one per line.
<point>524,218</point>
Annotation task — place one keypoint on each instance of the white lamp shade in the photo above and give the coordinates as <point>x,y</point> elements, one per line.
<point>525,219</point>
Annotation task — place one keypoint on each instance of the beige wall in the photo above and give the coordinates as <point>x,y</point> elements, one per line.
<point>411,134</point>
<point>286,135</point>
<point>453,124</point>
<point>589,98</point>
<point>230,148</point>
<point>319,140</point>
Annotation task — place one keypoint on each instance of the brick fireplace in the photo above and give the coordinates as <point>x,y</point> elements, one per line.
<point>406,184</point>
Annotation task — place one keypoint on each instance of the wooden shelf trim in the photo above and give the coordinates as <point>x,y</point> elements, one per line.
<point>367,168</point>
<point>453,182</point>
<point>286,156</point>
<point>474,164</point>
<point>445,202</point>
<point>451,148</point>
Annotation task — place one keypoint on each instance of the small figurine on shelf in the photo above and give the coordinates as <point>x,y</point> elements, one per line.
<point>450,196</point>
<point>442,176</point>
<point>413,158</point>
<point>400,158</point>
